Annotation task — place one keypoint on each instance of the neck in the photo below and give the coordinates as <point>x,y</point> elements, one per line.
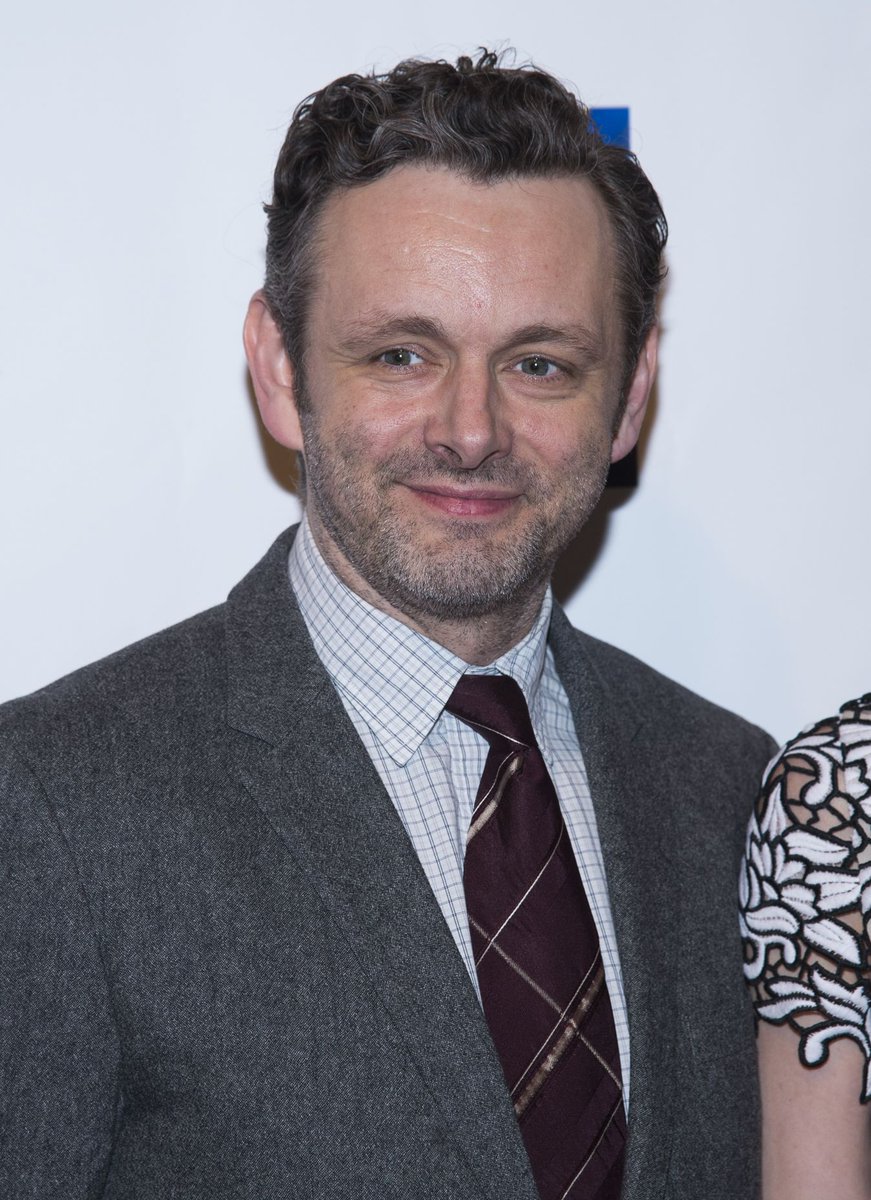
<point>478,641</point>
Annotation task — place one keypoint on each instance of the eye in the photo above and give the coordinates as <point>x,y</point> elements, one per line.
<point>400,356</point>
<point>538,366</point>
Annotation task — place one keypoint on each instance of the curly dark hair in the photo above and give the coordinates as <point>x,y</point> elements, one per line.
<point>485,121</point>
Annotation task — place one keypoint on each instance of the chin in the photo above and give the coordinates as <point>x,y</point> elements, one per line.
<point>449,586</point>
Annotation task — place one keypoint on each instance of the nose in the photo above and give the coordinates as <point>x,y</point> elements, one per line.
<point>468,425</point>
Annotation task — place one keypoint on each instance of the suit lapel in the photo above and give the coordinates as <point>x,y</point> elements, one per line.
<point>303,763</point>
<point>635,830</point>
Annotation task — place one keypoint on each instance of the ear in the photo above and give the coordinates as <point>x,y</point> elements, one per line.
<point>635,407</point>
<point>271,374</point>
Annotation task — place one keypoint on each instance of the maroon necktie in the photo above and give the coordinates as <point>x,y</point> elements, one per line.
<point>538,958</point>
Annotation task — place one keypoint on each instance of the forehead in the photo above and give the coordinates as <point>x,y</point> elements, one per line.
<point>432,238</point>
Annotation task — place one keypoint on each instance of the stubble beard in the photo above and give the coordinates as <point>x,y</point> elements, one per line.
<point>470,572</point>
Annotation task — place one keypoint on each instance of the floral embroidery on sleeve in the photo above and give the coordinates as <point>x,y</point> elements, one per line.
<point>806,887</point>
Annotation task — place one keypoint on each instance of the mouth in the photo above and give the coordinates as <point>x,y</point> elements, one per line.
<point>464,502</point>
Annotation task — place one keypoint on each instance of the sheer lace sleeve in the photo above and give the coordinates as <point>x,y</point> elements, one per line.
<point>806,887</point>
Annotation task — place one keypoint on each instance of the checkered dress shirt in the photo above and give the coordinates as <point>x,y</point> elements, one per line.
<point>394,684</point>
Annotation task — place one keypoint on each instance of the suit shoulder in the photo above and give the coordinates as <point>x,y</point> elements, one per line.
<point>162,672</point>
<point>637,683</point>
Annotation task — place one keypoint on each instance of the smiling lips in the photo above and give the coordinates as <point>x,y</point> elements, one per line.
<point>464,502</point>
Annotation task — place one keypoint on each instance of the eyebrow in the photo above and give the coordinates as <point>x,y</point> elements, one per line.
<point>586,344</point>
<point>382,326</point>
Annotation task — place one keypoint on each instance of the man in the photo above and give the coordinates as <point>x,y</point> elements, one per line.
<point>380,880</point>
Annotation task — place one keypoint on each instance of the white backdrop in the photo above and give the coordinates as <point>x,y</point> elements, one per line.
<point>137,147</point>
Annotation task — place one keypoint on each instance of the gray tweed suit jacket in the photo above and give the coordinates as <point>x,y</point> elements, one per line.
<point>224,974</point>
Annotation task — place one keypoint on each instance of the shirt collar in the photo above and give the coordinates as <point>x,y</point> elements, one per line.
<point>395,678</point>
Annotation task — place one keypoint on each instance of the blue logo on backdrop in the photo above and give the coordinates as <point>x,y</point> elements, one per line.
<point>613,127</point>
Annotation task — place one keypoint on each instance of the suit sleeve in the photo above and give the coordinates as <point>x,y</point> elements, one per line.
<point>59,1053</point>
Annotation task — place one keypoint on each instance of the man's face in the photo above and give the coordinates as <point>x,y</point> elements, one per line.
<point>461,386</point>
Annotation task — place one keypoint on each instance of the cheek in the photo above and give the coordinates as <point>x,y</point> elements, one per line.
<point>355,450</point>
<point>561,446</point>
<point>358,414</point>
<point>372,439</point>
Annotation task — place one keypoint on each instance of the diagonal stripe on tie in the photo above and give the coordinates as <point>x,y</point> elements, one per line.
<point>537,956</point>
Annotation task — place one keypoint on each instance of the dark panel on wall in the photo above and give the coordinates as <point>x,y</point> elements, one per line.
<point>613,125</point>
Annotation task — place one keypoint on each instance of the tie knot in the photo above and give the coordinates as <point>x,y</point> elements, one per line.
<point>494,705</point>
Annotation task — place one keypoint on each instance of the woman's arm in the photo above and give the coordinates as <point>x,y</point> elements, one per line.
<point>805,913</point>
<point>816,1133</point>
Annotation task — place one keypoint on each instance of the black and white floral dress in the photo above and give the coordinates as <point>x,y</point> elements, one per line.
<point>806,887</point>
